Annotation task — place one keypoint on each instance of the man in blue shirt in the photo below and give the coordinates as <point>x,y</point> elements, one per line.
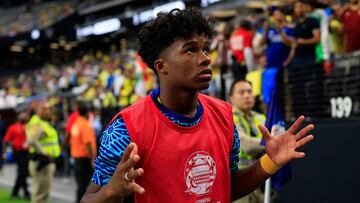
<point>278,37</point>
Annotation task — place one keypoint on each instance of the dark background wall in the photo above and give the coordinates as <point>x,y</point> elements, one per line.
<point>330,172</point>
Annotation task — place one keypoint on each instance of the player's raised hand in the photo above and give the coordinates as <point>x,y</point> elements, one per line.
<point>282,148</point>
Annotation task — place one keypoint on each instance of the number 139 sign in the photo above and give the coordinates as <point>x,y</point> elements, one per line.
<point>341,107</point>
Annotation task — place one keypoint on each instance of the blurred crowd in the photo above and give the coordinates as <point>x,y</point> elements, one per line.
<point>294,43</point>
<point>68,104</point>
<point>88,3</point>
<point>33,16</point>
<point>114,80</point>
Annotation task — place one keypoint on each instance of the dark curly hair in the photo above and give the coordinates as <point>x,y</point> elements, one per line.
<point>160,33</point>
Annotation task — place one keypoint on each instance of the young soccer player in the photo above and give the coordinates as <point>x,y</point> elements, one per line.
<point>178,145</point>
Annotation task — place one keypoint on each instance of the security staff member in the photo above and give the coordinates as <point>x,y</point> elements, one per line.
<point>44,149</point>
<point>247,122</point>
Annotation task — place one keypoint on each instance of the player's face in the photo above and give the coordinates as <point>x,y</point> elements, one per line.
<point>278,16</point>
<point>46,112</point>
<point>187,63</point>
<point>298,9</point>
<point>243,97</point>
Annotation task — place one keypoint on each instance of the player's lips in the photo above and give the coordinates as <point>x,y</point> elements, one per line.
<point>206,74</point>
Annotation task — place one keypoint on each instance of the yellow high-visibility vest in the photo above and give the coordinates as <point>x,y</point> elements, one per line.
<point>241,121</point>
<point>50,142</point>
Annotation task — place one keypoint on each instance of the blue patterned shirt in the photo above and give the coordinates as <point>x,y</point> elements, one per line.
<point>115,139</point>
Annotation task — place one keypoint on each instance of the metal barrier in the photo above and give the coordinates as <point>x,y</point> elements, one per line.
<point>309,91</point>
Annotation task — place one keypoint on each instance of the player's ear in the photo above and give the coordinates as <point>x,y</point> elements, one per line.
<point>160,66</point>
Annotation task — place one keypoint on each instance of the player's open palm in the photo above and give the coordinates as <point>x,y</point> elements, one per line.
<point>282,148</point>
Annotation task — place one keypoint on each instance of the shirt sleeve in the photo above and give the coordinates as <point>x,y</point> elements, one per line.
<point>314,24</point>
<point>69,123</point>
<point>289,32</point>
<point>234,154</point>
<point>248,41</point>
<point>9,135</point>
<point>113,143</point>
